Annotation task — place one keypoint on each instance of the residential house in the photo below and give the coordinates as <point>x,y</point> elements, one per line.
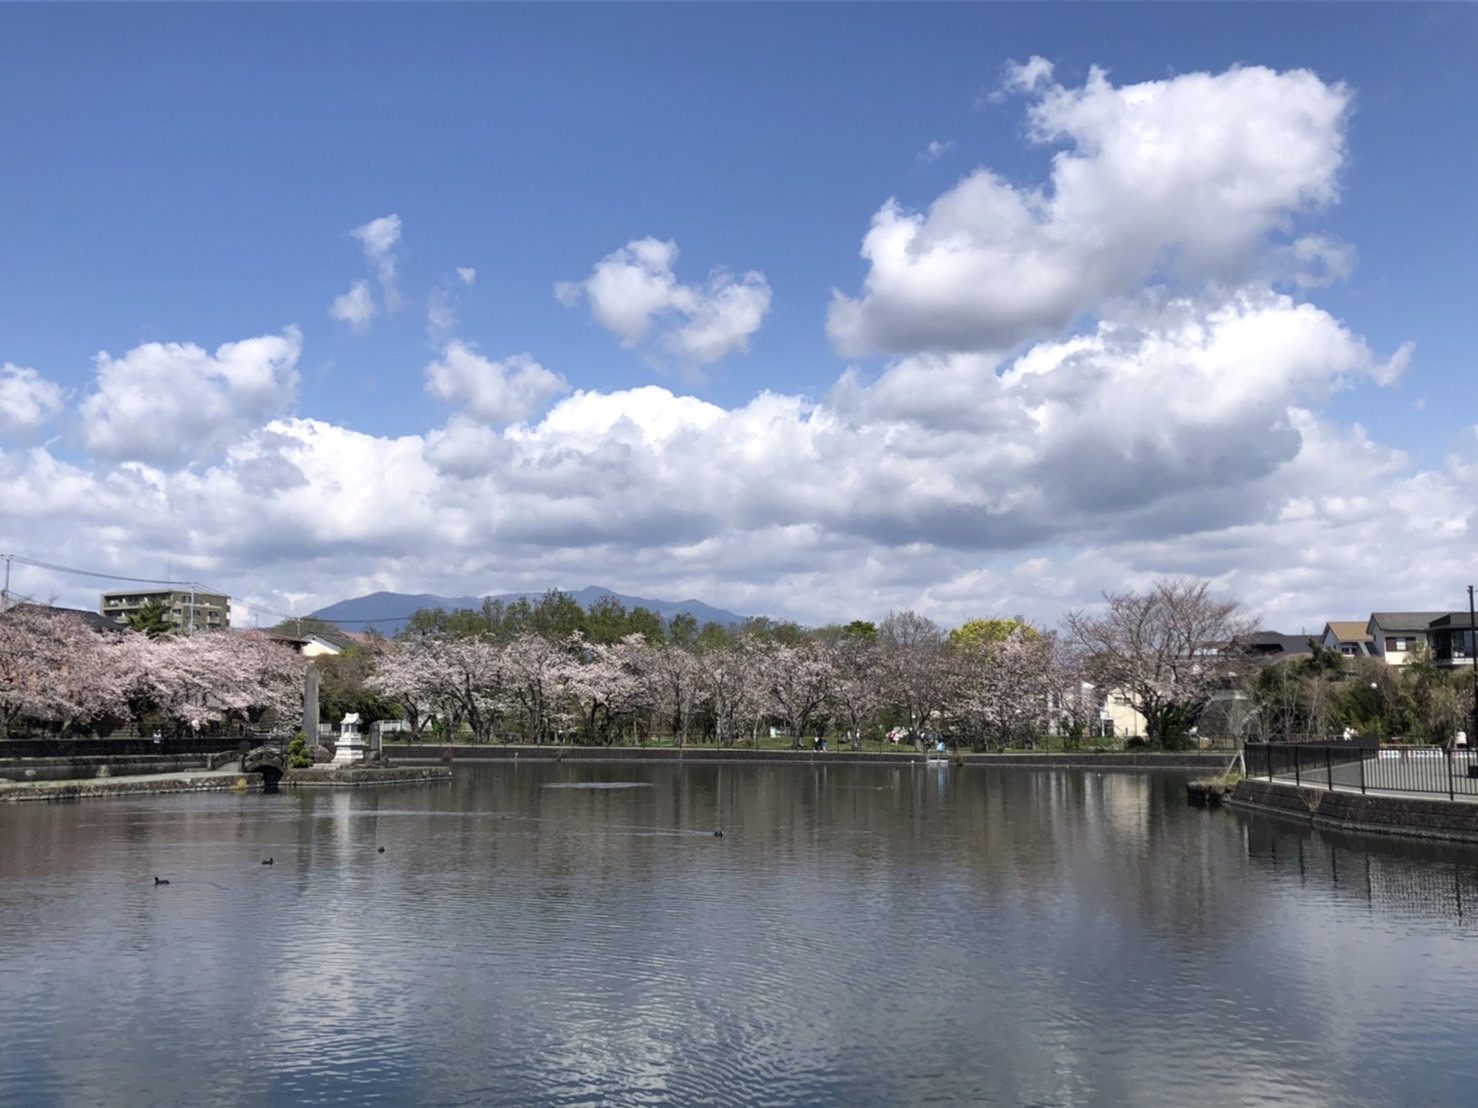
<point>1394,634</point>
<point>1451,636</point>
<point>1266,647</point>
<point>1350,637</point>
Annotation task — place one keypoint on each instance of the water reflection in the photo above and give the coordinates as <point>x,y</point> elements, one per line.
<point>1419,883</point>
<point>562,934</point>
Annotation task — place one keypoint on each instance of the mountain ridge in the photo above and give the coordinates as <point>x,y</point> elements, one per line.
<point>388,612</point>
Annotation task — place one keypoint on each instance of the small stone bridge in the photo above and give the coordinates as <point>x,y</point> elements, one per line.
<point>270,761</point>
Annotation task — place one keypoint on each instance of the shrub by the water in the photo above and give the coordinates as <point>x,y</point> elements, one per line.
<point>298,754</point>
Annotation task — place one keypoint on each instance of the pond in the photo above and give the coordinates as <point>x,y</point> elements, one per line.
<point>578,934</point>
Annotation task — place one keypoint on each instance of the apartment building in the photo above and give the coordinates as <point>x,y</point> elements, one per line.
<point>200,610</point>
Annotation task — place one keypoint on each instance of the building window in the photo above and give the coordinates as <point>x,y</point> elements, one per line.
<point>1397,644</point>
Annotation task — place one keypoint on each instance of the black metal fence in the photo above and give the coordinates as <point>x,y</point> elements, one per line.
<point>1367,767</point>
<point>131,747</point>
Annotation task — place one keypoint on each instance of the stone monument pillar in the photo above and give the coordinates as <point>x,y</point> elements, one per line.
<point>310,706</point>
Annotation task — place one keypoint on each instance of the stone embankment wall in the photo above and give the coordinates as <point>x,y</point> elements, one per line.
<point>1203,760</point>
<point>356,776</point>
<point>431,752</point>
<point>1416,817</point>
<point>83,768</point>
<point>58,791</point>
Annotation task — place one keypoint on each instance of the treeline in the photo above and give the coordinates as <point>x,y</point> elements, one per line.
<point>548,669</point>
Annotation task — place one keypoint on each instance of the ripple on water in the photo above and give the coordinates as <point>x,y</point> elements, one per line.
<point>860,936</point>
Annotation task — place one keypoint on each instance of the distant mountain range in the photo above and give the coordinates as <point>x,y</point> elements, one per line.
<point>387,612</point>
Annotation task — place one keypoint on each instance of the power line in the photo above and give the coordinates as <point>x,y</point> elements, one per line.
<point>22,560</point>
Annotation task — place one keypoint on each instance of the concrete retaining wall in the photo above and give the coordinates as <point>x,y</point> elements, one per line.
<point>428,752</point>
<point>83,768</point>
<point>52,792</point>
<point>327,777</point>
<point>1383,814</point>
<point>1203,760</point>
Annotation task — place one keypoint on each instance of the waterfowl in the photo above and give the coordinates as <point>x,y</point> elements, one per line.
<point>381,850</point>
<point>161,880</point>
<point>268,861</point>
<point>718,834</point>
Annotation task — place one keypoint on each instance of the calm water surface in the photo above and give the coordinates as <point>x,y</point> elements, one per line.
<point>860,935</point>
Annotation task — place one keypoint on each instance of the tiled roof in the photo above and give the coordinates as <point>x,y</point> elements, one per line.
<point>1350,630</point>
<point>1404,621</point>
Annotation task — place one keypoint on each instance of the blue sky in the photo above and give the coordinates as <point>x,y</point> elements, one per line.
<point>819,310</point>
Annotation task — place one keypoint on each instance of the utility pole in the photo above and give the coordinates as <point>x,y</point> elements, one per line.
<point>1473,657</point>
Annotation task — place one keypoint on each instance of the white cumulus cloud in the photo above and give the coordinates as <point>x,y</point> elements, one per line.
<point>634,290</point>
<point>27,400</point>
<point>1188,177</point>
<point>355,307</point>
<point>176,403</point>
<point>380,237</point>
<point>495,392</point>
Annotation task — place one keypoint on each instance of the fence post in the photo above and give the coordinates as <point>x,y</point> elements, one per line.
<point>1447,757</point>
<point>1328,768</point>
<point>1362,769</point>
<point>1297,780</point>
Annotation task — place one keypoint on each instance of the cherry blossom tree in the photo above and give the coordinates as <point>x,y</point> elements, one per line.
<point>55,669</point>
<point>792,682</point>
<point>469,679</point>
<point>536,673</point>
<point>915,675</point>
<point>215,677</point>
<point>672,680</point>
<point>604,684</point>
<point>1010,686</point>
<point>406,672</point>
<point>857,694</point>
<point>1169,650</point>
<point>728,687</point>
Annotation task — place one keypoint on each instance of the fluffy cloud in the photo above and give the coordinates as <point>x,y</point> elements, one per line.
<point>379,238</point>
<point>634,289</point>
<point>175,403</point>
<point>1155,444</point>
<point>495,392</point>
<point>355,307</point>
<point>27,401</point>
<point>936,150</point>
<point>1096,384</point>
<point>1186,178</point>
